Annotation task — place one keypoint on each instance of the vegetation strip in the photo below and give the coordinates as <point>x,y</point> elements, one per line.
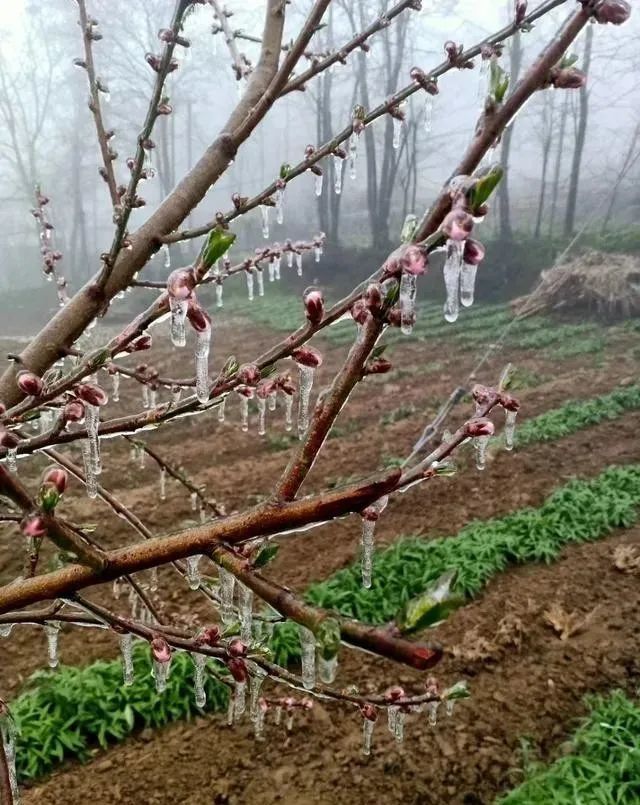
<point>66,713</point>
<point>603,766</point>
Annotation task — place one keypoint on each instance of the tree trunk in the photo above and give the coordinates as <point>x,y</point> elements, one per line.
<point>558,166</point>
<point>504,202</point>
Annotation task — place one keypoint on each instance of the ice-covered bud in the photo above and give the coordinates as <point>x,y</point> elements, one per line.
<point>378,366</point>
<point>373,298</point>
<point>567,78</point>
<point>30,383</point>
<point>8,439</point>
<point>237,648</point>
<point>479,427</point>
<point>396,318</point>
<point>458,224</point>
<point>160,649</point>
<point>73,411</point>
<point>287,385</point>
<point>314,305</point>
<point>482,394</point>
<point>509,402</point>
<point>140,344</point>
<point>180,283</point>
<point>33,526</point>
<point>209,636</point>
<point>307,356</point>
<point>92,394</point>
<point>520,11</point>
<point>249,374</point>
<point>265,388</point>
<point>394,694</point>
<point>616,12</point>
<point>452,50</point>
<point>369,712</point>
<point>309,151</point>
<point>56,477</point>
<point>198,317</point>
<point>474,252</point>
<point>153,61</point>
<point>427,83</point>
<point>238,669</point>
<point>360,311</point>
<point>414,259</point>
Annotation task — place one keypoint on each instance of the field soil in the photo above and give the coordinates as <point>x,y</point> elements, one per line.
<point>526,683</point>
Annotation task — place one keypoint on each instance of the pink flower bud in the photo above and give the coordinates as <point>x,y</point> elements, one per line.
<point>265,388</point>
<point>56,477</point>
<point>394,694</point>
<point>92,394</point>
<point>140,344</point>
<point>616,12</point>
<point>287,385</point>
<point>237,648</point>
<point>414,259</point>
<point>238,669</point>
<point>373,297</point>
<point>307,356</point>
<point>73,411</point>
<point>30,383</point>
<point>482,394</point>
<point>371,514</point>
<point>474,252</point>
<point>568,78</point>
<point>369,712</point>
<point>458,224</point>
<point>521,11</point>
<point>8,439</point>
<point>160,649</point>
<point>249,374</point>
<point>306,703</point>
<point>245,391</point>
<point>479,427</point>
<point>3,409</point>
<point>378,366</point>
<point>509,402</point>
<point>314,305</point>
<point>360,311</point>
<point>209,636</point>
<point>180,283</point>
<point>199,319</point>
<point>33,526</point>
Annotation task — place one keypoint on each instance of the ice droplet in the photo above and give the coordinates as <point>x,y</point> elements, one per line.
<point>318,184</point>
<point>258,724</point>
<point>115,387</point>
<point>52,630</point>
<point>245,611</point>
<point>153,397</point>
<point>90,478</point>
<point>163,483</point>
<point>468,284</point>
<point>451,270</point>
<point>203,342</point>
<point>398,732</point>
<point>264,211</point>
<point>161,674</point>
<point>178,309</point>
<point>338,163</point>
<point>126,649</point>
<point>219,302</point>
<point>480,444</point>
<point>308,656</point>
<point>221,409</point>
<point>398,124</point>
<point>262,412</point>
<point>408,288</point>
<point>288,412</point>
<point>392,717</point>
<point>8,735</point>
<point>289,258</point>
<point>449,707</point>
<point>367,735</point>
<point>12,459</point>
<point>260,281</point>
<point>176,394</point>
<point>510,429</point>
<point>199,665</point>
<point>368,532</point>
<point>279,199</point>
<point>227,585</point>
<point>244,413</point>
<point>193,571</point>
<point>327,669</point>
<point>306,384</point>
<point>249,275</point>
<point>230,709</point>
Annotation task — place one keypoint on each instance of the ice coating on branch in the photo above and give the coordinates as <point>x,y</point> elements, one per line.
<point>193,571</point>
<point>5,629</point>
<point>91,482</point>
<point>338,163</point>
<point>452,270</point>
<point>219,302</point>
<point>258,722</point>
<point>227,586</point>
<point>8,736</point>
<point>12,459</point>
<point>249,276</point>
<point>264,212</point>
<point>178,332</point>
<point>408,289</point>
<point>245,611</point>
<point>307,656</point>
<point>126,650</point>
<point>239,700</point>
<point>319,177</point>
<point>432,712</point>
<point>510,429</point>
<point>52,630</point>
<point>92,422</point>
<point>199,663</point>
<point>203,342</point>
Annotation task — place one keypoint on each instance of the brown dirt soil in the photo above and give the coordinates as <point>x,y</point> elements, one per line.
<point>320,762</point>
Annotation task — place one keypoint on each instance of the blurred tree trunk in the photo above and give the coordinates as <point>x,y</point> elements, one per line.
<point>547,139</point>
<point>629,159</point>
<point>558,166</point>
<point>504,200</point>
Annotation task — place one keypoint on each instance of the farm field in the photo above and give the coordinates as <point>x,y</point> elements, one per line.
<point>527,561</point>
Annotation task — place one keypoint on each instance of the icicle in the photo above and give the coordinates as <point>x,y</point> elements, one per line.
<point>288,412</point>
<point>255,686</point>
<point>153,397</point>
<point>392,718</point>
<point>264,211</point>
<point>398,124</point>
<point>199,663</point>
<point>52,630</point>
<point>176,394</point>
<point>194,501</point>
<point>258,724</point>
<point>167,255</point>
<point>279,199</point>
<point>153,583</point>
<point>219,302</point>
<point>353,155</point>
<point>179,309</point>
<point>163,483</point>
<point>5,629</point>
<point>452,269</point>
<point>468,284</point>
<point>432,711</point>
<point>145,396</point>
<point>193,572</point>
<point>12,459</point>
<point>239,700</point>
<point>8,735</point>
<point>449,707</point>
<point>161,674</point>
<point>289,720</point>
<point>92,422</point>
<point>327,669</point>
<point>276,266</point>
<point>260,281</point>
<point>249,275</point>
<point>480,444</point>
<point>272,271</point>
<point>230,710</point>
<point>428,113</point>
<point>306,384</point>
<point>278,715</point>
<point>367,736</point>
<point>142,457</point>
<point>308,656</point>
<point>337,167</point>
<point>483,82</point>
<point>244,413</point>
<point>126,649</point>
<point>368,531</point>
<point>299,263</point>
<point>245,612</point>
<point>510,429</point>
<point>262,411</point>
<point>115,387</point>
<point>398,732</point>
<point>202,511</point>
<point>221,409</point>
<point>272,400</point>
<point>227,585</point>
<point>318,184</point>
<point>90,478</point>
<point>408,288</point>
<point>203,341</point>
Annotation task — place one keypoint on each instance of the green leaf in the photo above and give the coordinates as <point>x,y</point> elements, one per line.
<point>486,183</point>
<point>218,244</point>
<point>328,638</point>
<point>376,352</point>
<point>456,692</point>
<point>266,554</point>
<point>285,170</point>
<point>430,608</point>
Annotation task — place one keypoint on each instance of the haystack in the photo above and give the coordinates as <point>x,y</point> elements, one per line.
<point>602,285</point>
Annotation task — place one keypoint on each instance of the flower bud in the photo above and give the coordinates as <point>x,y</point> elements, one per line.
<point>458,224</point>
<point>249,374</point>
<point>8,439</point>
<point>474,252</point>
<point>378,366</point>
<point>616,12</point>
<point>479,427</point>
<point>287,385</point>
<point>33,526</point>
<point>265,388</point>
<point>373,297</point>
<point>238,669</point>
<point>209,636</point>
<point>140,344</point>
<point>180,283</point>
<point>307,356</point>
<point>481,394</point>
<point>414,259</point>
<point>509,402</point>
<point>57,477</point>
<point>568,78</point>
<point>314,305</point>
<point>160,649</point>
<point>30,383</point>
<point>360,311</point>
<point>73,411</point>
<point>369,712</point>
<point>237,648</point>
<point>92,394</point>
<point>199,319</point>
<point>394,694</point>
<point>521,11</point>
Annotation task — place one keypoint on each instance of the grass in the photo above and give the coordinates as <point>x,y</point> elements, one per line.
<point>603,766</point>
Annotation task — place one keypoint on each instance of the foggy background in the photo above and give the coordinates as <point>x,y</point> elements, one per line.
<point>564,145</point>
